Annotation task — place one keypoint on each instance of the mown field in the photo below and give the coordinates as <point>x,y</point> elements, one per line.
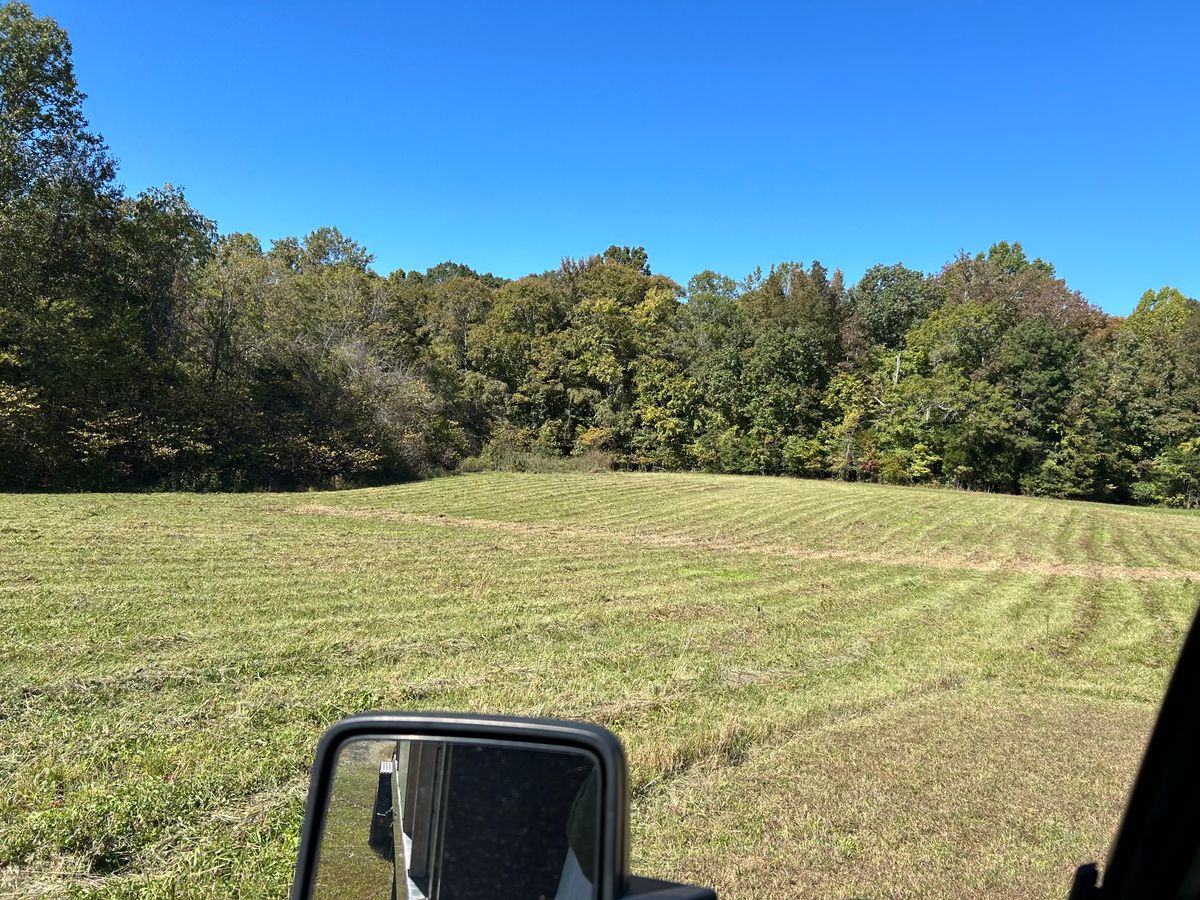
<point>824,689</point>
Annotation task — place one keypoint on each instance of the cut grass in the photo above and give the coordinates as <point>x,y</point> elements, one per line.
<point>824,689</point>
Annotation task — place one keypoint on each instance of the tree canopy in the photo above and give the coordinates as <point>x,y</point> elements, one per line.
<point>141,348</point>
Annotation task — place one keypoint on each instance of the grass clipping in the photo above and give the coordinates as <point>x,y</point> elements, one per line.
<point>825,689</point>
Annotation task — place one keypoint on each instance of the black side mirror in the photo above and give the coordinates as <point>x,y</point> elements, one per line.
<point>428,806</point>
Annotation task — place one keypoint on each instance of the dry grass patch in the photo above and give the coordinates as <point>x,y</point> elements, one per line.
<point>957,794</point>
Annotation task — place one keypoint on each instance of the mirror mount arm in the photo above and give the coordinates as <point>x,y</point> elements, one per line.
<point>1084,884</point>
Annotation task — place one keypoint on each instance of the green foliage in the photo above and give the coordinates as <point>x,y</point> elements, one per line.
<point>633,257</point>
<point>512,450</point>
<point>962,337</point>
<point>1163,311</point>
<point>889,300</point>
<point>1173,477</point>
<point>141,349</point>
<point>43,134</point>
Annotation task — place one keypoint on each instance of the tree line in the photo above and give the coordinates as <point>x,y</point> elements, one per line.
<point>142,349</point>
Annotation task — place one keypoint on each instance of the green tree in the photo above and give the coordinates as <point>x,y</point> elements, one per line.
<point>635,258</point>
<point>889,300</point>
<point>63,325</point>
<point>43,133</point>
<point>1173,476</point>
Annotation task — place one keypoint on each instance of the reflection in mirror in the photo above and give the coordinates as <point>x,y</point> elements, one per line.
<point>419,819</point>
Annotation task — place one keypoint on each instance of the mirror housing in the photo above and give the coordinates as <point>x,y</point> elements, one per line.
<point>612,879</point>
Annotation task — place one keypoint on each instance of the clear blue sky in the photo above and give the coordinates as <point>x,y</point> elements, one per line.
<point>723,136</point>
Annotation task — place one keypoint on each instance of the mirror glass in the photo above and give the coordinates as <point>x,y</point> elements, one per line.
<point>448,819</point>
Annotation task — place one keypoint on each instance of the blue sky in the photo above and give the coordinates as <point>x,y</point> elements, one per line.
<point>507,136</point>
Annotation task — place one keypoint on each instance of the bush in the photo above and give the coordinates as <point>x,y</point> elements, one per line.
<point>590,463</point>
<point>1174,477</point>
<point>511,450</point>
<point>803,456</point>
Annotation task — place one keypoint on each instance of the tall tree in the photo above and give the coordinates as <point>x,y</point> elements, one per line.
<point>890,300</point>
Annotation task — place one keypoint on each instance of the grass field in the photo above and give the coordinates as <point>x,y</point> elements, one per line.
<point>824,689</point>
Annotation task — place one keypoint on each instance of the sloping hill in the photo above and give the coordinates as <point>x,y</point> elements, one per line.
<point>824,688</point>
